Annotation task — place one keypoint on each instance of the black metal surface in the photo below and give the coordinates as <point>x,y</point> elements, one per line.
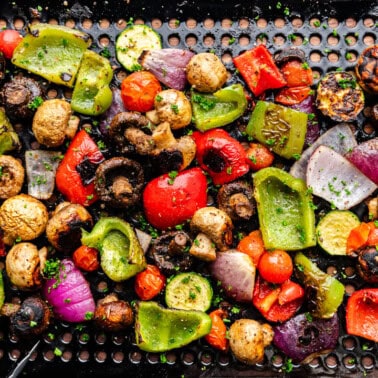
<point>87,352</point>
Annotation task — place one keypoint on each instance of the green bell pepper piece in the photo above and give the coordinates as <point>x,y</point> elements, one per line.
<point>53,52</point>
<point>327,293</point>
<point>9,139</point>
<point>92,95</point>
<point>158,329</point>
<point>285,210</point>
<point>218,109</point>
<point>121,254</point>
<point>280,128</point>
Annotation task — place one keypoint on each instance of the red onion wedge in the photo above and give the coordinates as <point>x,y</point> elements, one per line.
<point>69,294</point>
<point>340,138</point>
<point>365,158</point>
<point>168,65</point>
<point>333,178</point>
<point>236,273</point>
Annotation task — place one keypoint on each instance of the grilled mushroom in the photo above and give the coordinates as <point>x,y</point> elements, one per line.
<point>18,95</point>
<point>23,265</point>
<point>11,177</point>
<point>288,54</point>
<point>30,319</point>
<point>128,130</point>
<point>169,251</point>
<point>172,106</point>
<point>113,314</point>
<point>367,264</point>
<point>23,217</point>
<point>236,199</point>
<point>63,229</point>
<point>170,154</point>
<point>53,122</point>
<point>119,182</point>
<point>366,69</point>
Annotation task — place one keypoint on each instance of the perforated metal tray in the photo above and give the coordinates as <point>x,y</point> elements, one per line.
<point>332,34</point>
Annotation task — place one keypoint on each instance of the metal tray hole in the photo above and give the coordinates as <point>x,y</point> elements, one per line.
<point>349,343</point>
<point>227,39</point>
<point>83,356</point>
<point>316,56</point>
<point>104,40</point>
<point>173,40</point>
<point>135,357</point>
<point>351,39</point>
<point>349,361</point>
<point>174,23</point>
<point>349,289</point>
<point>369,39</point>
<point>369,22</point>
<point>209,40</point>
<point>243,23</point>
<point>191,40</point>
<point>208,23</point>
<point>48,355</point>
<point>223,359</point>
<point>206,357</point>
<point>70,23</point>
<point>87,23</point>
<point>191,23</point>
<point>100,338</point>
<point>156,23</point>
<point>315,363</point>
<point>333,22</point>
<point>188,358</point>
<point>19,23</point>
<point>153,358</point>
<point>297,22</point>
<point>331,361</point>
<point>104,24</point>
<point>244,40</point>
<point>333,57</point>
<point>226,58</point>
<point>296,39</point>
<point>100,356</point>
<point>351,56</point>
<point>279,39</point>
<point>118,357</point>
<point>66,356</point>
<point>315,22</point>
<point>279,23</point>
<point>368,361</point>
<point>3,23</point>
<point>226,23</point>
<point>118,339</point>
<point>14,354</point>
<point>333,39</point>
<point>102,287</point>
<point>350,22</point>
<point>277,361</point>
<point>315,39</point>
<point>261,23</point>
<point>66,338</point>
<point>262,38</point>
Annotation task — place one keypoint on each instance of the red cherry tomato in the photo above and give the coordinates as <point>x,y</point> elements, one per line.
<point>149,283</point>
<point>217,337</point>
<point>275,266</point>
<point>138,91</point>
<point>9,40</point>
<point>86,258</point>
<point>252,245</point>
<point>259,156</point>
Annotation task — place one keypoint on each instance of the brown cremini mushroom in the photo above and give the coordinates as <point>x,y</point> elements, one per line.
<point>12,175</point>
<point>367,264</point>
<point>119,182</point>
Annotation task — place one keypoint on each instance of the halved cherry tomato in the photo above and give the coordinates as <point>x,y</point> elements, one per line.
<point>275,266</point>
<point>292,95</point>
<point>259,156</point>
<point>217,337</point>
<point>277,303</point>
<point>138,91</point>
<point>149,283</point>
<point>297,73</point>
<point>86,258</point>
<point>9,40</point>
<point>252,245</point>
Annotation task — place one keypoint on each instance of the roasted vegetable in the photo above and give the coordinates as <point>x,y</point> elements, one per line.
<point>9,139</point>
<point>280,128</point>
<point>122,256</point>
<point>12,176</point>
<point>287,219</point>
<point>366,69</point>
<point>158,329</point>
<point>324,292</point>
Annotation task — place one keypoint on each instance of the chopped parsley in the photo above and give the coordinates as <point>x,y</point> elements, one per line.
<point>205,103</point>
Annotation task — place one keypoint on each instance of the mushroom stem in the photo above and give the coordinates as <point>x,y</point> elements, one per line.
<point>121,186</point>
<point>163,136</point>
<point>241,205</point>
<point>177,244</point>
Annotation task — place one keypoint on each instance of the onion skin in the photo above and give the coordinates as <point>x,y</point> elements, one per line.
<point>70,296</point>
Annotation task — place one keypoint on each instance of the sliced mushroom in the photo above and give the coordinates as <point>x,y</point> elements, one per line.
<point>172,106</point>
<point>113,314</point>
<point>170,154</point>
<point>63,229</point>
<point>215,224</point>
<point>18,95</point>
<point>291,53</point>
<point>12,175</point>
<point>170,252</point>
<point>23,265</point>
<point>53,122</point>
<point>130,133</point>
<point>32,318</point>
<point>236,199</point>
<point>22,217</point>
<point>203,248</point>
<point>119,182</point>
<point>367,264</point>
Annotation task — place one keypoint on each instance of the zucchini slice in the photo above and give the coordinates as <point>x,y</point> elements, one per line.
<point>333,230</point>
<point>132,42</point>
<point>189,291</point>
<point>340,97</point>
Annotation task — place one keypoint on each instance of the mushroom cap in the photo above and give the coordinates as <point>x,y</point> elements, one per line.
<point>22,216</point>
<point>51,121</point>
<point>12,177</point>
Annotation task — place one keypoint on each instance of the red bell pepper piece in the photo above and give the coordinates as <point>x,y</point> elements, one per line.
<point>173,198</point>
<point>259,71</point>
<point>364,235</point>
<point>220,155</point>
<point>217,337</point>
<point>75,173</point>
<point>362,314</point>
<point>277,303</point>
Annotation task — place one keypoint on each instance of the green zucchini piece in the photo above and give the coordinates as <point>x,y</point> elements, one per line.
<point>53,52</point>
<point>189,291</point>
<point>333,230</point>
<point>132,42</point>
<point>158,329</point>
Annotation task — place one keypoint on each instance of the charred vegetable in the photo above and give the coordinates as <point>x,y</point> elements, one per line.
<point>9,139</point>
<point>11,177</point>
<point>366,69</point>
<point>340,97</point>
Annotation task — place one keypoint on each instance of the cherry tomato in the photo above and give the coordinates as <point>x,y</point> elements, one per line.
<point>297,73</point>
<point>292,95</point>
<point>149,283</point>
<point>138,91</point>
<point>86,258</point>
<point>217,337</point>
<point>275,266</point>
<point>252,245</point>
<point>259,156</point>
<point>9,40</point>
